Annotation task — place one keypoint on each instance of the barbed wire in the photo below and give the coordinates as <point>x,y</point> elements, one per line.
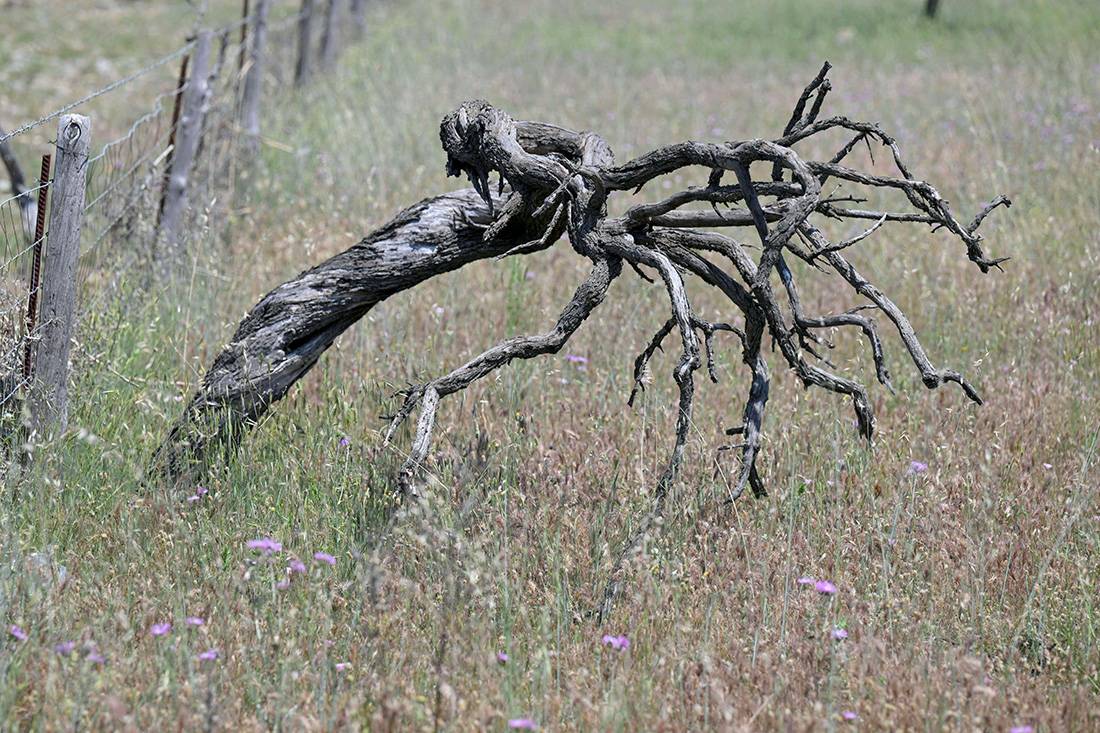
<point>115,85</point>
<point>104,90</point>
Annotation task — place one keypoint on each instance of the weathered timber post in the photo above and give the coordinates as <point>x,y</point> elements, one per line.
<point>930,8</point>
<point>49,404</point>
<point>254,79</point>
<point>359,22</point>
<point>305,33</point>
<point>190,130</point>
<point>328,37</point>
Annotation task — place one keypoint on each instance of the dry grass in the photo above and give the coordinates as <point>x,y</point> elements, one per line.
<point>968,591</point>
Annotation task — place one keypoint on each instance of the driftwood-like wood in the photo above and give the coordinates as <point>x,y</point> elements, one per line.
<point>555,181</point>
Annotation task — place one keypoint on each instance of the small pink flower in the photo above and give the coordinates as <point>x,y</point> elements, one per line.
<point>283,584</point>
<point>160,629</point>
<point>616,642</point>
<point>196,497</point>
<point>576,359</point>
<point>18,633</point>
<point>502,657</point>
<point>193,621</point>
<point>345,442</point>
<point>268,545</point>
<point>324,557</point>
<point>917,467</point>
<point>210,654</point>
<point>65,648</point>
<point>806,581</point>
<point>341,666</point>
<point>839,634</point>
<point>849,715</point>
<point>525,723</point>
<point>1020,729</point>
<point>824,587</point>
<point>95,658</point>
<point>200,491</point>
<point>296,566</point>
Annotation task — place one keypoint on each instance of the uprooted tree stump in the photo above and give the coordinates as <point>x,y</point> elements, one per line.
<point>555,181</point>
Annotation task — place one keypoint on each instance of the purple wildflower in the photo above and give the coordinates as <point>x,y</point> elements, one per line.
<point>839,634</point>
<point>296,566</point>
<point>806,581</point>
<point>525,723</point>
<point>849,715</point>
<point>345,441</point>
<point>324,557</point>
<point>1020,729</point>
<point>502,657</point>
<point>193,621</point>
<point>95,658</point>
<point>196,497</point>
<point>268,545</point>
<point>200,491</point>
<point>341,666</point>
<point>18,633</point>
<point>210,654</point>
<point>283,584</point>
<point>616,642</point>
<point>160,629</point>
<point>916,467</point>
<point>576,359</point>
<point>65,648</point>
<point>824,587</point>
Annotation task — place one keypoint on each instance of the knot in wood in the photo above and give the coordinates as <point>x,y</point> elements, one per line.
<point>468,131</point>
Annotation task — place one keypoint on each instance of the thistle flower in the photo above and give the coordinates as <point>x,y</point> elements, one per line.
<point>210,654</point>
<point>525,723</point>
<point>824,587</point>
<point>616,642</point>
<point>160,629</point>
<point>268,545</point>
<point>839,634</point>
<point>917,467</point>
<point>193,621</point>
<point>324,557</point>
<point>18,633</point>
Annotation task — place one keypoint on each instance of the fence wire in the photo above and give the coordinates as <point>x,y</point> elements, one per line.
<point>126,184</point>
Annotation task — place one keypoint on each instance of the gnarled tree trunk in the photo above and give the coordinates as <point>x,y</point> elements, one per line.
<point>553,181</point>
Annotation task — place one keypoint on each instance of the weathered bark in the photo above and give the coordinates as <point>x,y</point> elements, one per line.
<point>284,335</point>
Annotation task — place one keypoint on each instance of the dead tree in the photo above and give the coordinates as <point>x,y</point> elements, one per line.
<point>555,181</point>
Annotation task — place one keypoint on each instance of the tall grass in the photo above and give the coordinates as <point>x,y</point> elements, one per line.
<point>967,591</point>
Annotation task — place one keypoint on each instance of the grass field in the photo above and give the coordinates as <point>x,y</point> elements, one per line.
<point>968,593</point>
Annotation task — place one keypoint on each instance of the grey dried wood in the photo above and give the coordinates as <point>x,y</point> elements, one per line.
<point>254,78</point>
<point>195,101</point>
<point>49,401</point>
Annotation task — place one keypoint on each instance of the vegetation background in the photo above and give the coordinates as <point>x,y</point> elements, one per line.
<point>968,593</point>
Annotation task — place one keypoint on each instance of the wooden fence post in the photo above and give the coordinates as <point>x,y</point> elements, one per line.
<point>194,107</point>
<point>305,33</point>
<point>328,38</point>
<point>49,404</point>
<point>359,22</point>
<point>254,79</point>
